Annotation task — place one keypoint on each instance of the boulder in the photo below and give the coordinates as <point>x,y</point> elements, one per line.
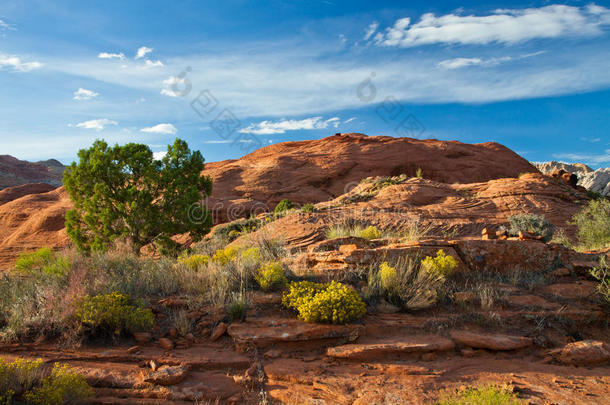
<point>168,375</point>
<point>494,342</point>
<point>166,344</point>
<point>402,345</point>
<point>585,353</point>
<point>576,290</point>
<point>218,331</point>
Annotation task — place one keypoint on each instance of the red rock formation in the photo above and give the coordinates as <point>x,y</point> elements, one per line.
<point>320,170</point>
<point>15,172</point>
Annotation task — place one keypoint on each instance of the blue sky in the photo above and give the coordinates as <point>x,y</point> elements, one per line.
<point>231,76</point>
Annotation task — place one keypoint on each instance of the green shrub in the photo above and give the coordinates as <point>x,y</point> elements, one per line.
<point>441,264</point>
<point>283,206</point>
<point>388,276</point>
<point>271,277</point>
<point>593,223</point>
<point>238,306</point>
<point>194,261</point>
<point>330,303</point>
<point>602,274</point>
<point>45,261</point>
<point>532,223</point>
<point>252,254</point>
<point>114,313</point>
<point>63,386</point>
<point>371,232</point>
<point>487,395</point>
<point>419,173</point>
<point>309,207</point>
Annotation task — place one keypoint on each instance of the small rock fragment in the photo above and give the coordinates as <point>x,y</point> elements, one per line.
<point>133,349</point>
<point>219,330</point>
<point>168,375</point>
<point>166,344</point>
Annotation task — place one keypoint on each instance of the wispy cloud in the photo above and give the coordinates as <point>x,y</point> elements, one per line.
<point>457,63</point>
<point>280,127</point>
<point>501,26</point>
<point>142,51</point>
<point>5,26</point>
<point>168,84</point>
<point>161,129</point>
<point>15,64</point>
<point>370,30</point>
<point>97,124</point>
<point>84,94</point>
<point>106,55</point>
<point>588,158</point>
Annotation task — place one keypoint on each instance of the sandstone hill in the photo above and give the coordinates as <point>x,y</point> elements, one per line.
<point>593,180</point>
<point>15,172</point>
<point>458,210</point>
<point>320,170</point>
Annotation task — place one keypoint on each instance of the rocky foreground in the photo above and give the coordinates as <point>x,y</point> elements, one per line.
<point>534,325</point>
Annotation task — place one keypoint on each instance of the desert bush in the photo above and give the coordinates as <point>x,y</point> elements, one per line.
<point>593,223</point>
<point>602,274</point>
<point>283,206</point>
<point>419,173</point>
<point>441,264</point>
<point>18,377</point>
<point>561,238</point>
<point>44,260</point>
<point>238,306</point>
<point>226,255</point>
<point>225,233</point>
<point>113,313</point>
<point>330,303</point>
<point>486,395</point>
<point>371,232</point>
<point>532,223</point>
<point>63,386</point>
<point>413,231</point>
<point>309,207</point>
<point>353,229</point>
<point>408,284</point>
<point>271,276</point>
<point>252,254</point>
<point>194,261</point>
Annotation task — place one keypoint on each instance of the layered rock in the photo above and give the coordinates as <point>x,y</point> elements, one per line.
<point>593,180</point>
<point>320,170</point>
<point>15,172</point>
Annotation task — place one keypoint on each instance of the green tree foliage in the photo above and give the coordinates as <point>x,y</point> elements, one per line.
<point>123,192</point>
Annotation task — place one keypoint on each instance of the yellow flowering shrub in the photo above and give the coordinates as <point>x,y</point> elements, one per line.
<point>63,386</point>
<point>194,261</point>
<point>225,256</point>
<point>251,254</point>
<point>371,232</point>
<point>114,312</point>
<point>271,276</point>
<point>388,277</point>
<point>442,264</point>
<point>17,377</point>
<point>322,302</point>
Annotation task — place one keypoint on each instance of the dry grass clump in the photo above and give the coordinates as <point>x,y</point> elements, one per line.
<point>410,283</point>
<point>484,395</point>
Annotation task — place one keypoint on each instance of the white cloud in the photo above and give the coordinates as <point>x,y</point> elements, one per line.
<point>169,83</point>
<point>349,120</point>
<point>159,155</point>
<point>501,26</point>
<point>16,64</point>
<point>370,30</point>
<point>590,159</point>
<point>280,127</point>
<point>106,55</point>
<point>161,129</point>
<point>97,124</point>
<point>459,62</point>
<point>84,94</point>
<point>142,51</point>
<point>464,62</point>
<point>150,63</point>
<point>4,25</point>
